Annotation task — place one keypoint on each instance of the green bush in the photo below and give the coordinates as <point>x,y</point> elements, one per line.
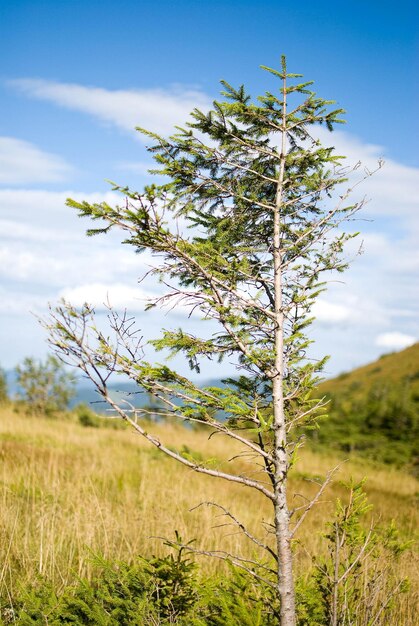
<point>87,417</point>
<point>4,396</point>
<point>354,582</point>
<point>158,591</point>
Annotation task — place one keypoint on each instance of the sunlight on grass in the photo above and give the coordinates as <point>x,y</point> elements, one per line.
<point>68,492</point>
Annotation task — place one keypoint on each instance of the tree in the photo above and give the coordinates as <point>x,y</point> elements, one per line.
<point>3,387</point>
<point>45,387</point>
<point>256,187</point>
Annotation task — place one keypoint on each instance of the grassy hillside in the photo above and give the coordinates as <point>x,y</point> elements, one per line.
<point>374,410</point>
<point>68,492</point>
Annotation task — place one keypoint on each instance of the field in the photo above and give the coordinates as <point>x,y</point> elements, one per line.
<point>68,492</point>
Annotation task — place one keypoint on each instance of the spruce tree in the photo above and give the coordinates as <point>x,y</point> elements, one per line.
<point>256,187</point>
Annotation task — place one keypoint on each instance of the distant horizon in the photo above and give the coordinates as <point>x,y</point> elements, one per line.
<point>81,378</point>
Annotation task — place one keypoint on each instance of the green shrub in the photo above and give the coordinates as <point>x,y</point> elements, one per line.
<point>154,592</point>
<point>354,583</point>
<point>86,416</point>
<point>4,396</point>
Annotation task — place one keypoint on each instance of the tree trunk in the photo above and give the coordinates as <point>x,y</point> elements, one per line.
<point>285,573</point>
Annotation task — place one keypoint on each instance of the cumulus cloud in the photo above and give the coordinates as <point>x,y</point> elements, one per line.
<point>331,313</point>
<point>16,303</point>
<point>380,286</point>
<point>136,167</point>
<point>155,109</point>
<point>23,163</point>
<point>46,210</point>
<point>392,191</point>
<point>395,253</point>
<point>103,295</point>
<point>395,340</point>
<point>43,242</point>
<point>132,297</point>
<point>64,263</point>
<point>14,230</point>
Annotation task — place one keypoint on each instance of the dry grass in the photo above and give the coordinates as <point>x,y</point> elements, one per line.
<point>69,491</point>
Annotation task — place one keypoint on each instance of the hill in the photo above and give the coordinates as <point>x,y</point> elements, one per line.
<point>374,410</point>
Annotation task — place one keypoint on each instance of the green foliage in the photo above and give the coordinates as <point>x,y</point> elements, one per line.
<point>45,388</point>
<point>310,606</point>
<point>241,601</point>
<point>359,566</point>
<point>374,410</point>
<point>34,605</point>
<point>4,397</point>
<point>87,417</point>
<point>158,591</point>
<point>173,589</point>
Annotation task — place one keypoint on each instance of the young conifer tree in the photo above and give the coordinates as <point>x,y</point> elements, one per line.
<point>256,187</point>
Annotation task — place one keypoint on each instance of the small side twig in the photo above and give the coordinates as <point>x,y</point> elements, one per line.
<point>315,500</point>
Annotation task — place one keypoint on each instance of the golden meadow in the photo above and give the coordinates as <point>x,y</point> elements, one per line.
<point>69,492</point>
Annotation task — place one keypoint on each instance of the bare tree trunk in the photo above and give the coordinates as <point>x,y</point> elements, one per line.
<point>282,531</point>
<point>285,573</point>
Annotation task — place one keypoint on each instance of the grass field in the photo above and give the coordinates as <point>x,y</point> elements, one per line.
<point>68,492</point>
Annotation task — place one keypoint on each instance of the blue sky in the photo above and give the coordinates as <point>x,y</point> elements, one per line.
<point>76,77</point>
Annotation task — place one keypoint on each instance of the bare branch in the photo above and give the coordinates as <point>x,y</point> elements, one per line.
<point>314,501</point>
<point>240,525</point>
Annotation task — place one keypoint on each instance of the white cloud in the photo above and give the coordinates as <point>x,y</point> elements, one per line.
<point>395,340</point>
<point>380,286</point>
<point>63,263</point>
<point>43,249</point>
<point>13,230</point>
<point>137,167</point>
<point>158,110</point>
<point>43,242</point>
<point>13,302</point>
<point>329,312</point>
<point>100,295</point>
<point>22,163</point>
<point>393,253</point>
<point>133,298</point>
<point>46,210</point>
<point>393,190</point>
